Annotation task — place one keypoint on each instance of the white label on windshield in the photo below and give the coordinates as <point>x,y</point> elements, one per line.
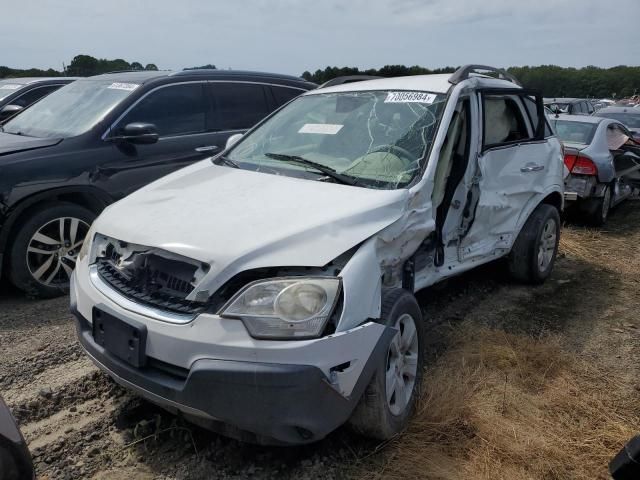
<point>10,86</point>
<point>129,87</point>
<point>320,128</point>
<point>409,97</point>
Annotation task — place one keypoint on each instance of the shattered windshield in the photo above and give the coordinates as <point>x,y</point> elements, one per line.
<point>376,139</point>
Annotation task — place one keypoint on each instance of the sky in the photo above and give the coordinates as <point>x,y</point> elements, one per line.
<point>291,36</point>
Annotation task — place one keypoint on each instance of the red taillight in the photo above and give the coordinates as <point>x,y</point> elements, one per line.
<point>570,160</point>
<point>583,166</point>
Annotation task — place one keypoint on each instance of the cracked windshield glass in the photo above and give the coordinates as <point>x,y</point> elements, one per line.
<point>375,139</point>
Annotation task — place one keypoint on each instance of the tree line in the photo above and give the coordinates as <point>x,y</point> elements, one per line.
<point>80,66</point>
<point>552,80</point>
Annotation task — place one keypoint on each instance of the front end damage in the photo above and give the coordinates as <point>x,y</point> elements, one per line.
<point>182,354</point>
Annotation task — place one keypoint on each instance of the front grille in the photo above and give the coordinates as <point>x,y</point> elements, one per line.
<point>153,281</point>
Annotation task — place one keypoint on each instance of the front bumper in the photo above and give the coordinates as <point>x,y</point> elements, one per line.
<point>290,399</point>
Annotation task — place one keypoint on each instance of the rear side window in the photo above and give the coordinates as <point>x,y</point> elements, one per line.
<point>589,108</point>
<point>532,110</point>
<point>174,110</point>
<point>283,94</point>
<point>238,106</point>
<point>34,95</point>
<point>503,120</point>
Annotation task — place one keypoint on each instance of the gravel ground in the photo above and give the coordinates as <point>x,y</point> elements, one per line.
<point>80,424</point>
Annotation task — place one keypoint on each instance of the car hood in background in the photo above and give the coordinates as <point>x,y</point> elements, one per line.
<point>236,220</point>
<point>10,143</point>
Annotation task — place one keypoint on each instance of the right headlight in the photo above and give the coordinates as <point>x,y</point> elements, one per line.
<point>285,308</point>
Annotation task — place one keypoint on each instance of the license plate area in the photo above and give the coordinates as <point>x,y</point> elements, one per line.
<point>124,339</point>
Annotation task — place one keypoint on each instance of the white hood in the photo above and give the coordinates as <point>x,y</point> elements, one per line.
<point>236,220</point>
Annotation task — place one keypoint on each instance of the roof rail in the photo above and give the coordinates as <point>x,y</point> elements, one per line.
<point>465,72</point>
<point>348,79</point>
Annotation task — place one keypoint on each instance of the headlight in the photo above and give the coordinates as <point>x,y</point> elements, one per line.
<point>285,308</point>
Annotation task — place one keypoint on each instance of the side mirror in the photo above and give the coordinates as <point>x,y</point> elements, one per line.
<point>232,140</point>
<point>9,110</point>
<point>139,133</point>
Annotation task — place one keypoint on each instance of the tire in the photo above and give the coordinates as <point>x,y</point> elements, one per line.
<point>375,416</point>
<point>534,252</point>
<point>39,263</point>
<point>597,209</point>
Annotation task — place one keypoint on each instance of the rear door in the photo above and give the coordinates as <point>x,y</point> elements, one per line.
<point>181,113</point>
<point>518,161</point>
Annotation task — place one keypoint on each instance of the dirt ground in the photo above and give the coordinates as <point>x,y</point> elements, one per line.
<point>521,383</point>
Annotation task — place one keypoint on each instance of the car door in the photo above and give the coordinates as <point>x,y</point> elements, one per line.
<point>181,114</point>
<point>517,162</point>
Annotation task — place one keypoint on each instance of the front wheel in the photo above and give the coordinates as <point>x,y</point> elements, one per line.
<point>534,252</point>
<point>43,252</point>
<point>389,400</point>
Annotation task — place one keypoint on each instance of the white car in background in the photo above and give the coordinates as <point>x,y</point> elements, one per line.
<point>268,294</point>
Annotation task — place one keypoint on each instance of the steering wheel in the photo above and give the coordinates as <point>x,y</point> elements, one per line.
<point>395,149</point>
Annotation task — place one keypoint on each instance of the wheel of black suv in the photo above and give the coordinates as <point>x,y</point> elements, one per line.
<point>389,400</point>
<point>43,252</point>
<point>534,253</point>
<point>597,209</point>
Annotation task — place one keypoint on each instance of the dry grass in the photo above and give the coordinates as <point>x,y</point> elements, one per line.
<point>502,406</point>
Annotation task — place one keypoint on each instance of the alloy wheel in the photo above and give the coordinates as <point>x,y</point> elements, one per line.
<point>402,364</point>
<point>547,246</point>
<point>53,250</point>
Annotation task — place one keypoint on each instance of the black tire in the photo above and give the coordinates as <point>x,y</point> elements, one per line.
<point>19,271</point>
<point>523,260</point>
<point>373,416</point>
<point>596,210</point>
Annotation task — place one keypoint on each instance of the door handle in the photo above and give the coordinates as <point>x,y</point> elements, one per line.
<point>531,167</point>
<point>207,148</point>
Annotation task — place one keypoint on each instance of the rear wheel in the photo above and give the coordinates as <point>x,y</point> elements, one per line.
<point>389,400</point>
<point>534,253</point>
<point>597,209</point>
<point>44,251</point>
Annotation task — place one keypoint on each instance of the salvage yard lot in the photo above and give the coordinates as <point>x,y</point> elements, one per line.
<point>522,383</point>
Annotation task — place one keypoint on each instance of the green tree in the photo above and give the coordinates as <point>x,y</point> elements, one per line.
<point>151,66</point>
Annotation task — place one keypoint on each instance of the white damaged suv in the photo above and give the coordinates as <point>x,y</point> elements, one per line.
<point>268,293</point>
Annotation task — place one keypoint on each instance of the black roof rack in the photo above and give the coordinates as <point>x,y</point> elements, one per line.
<point>465,71</point>
<point>348,79</point>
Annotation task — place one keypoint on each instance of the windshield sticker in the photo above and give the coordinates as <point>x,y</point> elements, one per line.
<point>409,97</point>
<point>320,128</point>
<point>10,86</point>
<point>129,87</point>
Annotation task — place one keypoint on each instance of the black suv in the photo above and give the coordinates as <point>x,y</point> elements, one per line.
<point>100,138</point>
<point>18,93</point>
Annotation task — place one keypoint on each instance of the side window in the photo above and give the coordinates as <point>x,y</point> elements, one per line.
<point>589,108</point>
<point>283,94</point>
<point>238,106</point>
<point>34,95</point>
<point>174,110</point>
<point>577,108</point>
<point>503,120</point>
<point>530,105</point>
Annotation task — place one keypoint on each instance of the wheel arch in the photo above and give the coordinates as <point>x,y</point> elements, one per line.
<point>89,197</point>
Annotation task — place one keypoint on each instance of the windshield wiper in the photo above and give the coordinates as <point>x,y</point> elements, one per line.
<point>328,171</point>
<point>227,161</point>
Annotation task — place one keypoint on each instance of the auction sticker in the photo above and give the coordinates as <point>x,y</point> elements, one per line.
<point>129,87</point>
<point>10,86</point>
<point>320,128</point>
<point>409,97</point>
